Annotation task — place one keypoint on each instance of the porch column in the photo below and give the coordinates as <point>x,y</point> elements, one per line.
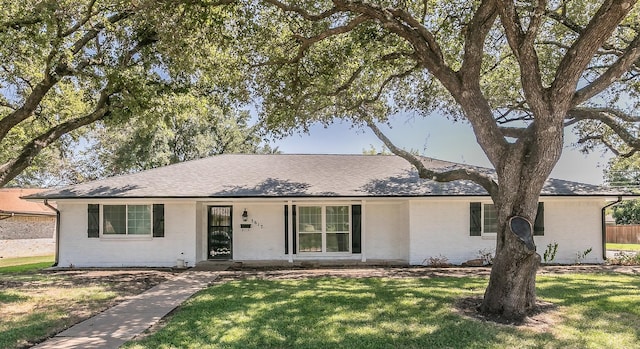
<point>363,230</point>
<point>290,230</point>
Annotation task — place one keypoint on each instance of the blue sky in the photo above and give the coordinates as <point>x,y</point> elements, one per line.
<point>436,137</point>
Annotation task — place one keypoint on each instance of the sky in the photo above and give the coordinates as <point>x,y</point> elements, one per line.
<point>436,137</point>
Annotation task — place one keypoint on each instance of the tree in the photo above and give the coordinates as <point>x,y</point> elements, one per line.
<point>174,128</point>
<point>198,130</point>
<point>68,64</point>
<point>518,72</point>
<point>625,172</point>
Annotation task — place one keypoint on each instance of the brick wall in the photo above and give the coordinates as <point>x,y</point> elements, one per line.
<point>28,227</point>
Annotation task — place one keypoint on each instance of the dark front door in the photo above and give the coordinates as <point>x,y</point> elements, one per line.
<point>220,234</point>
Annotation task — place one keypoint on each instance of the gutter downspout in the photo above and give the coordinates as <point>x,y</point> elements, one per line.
<point>46,203</point>
<point>604,226</point>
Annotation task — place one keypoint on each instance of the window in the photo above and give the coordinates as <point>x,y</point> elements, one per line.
<point>126,220</point>
<point>324,228</point>
<point>490,219</point>
<point>484,219</point>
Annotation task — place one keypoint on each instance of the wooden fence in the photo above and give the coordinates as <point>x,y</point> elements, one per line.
<point>623,234</point>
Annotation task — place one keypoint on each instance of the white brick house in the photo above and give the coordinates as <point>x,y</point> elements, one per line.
<point>292,208</point>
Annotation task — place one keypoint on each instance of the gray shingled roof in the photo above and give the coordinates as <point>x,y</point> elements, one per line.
<point>240,176</point>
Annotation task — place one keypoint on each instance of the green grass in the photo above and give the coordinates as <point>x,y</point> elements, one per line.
<point>25,264</point>
<point>35,305</point>
<point>596,311</point>
<point>623,247</point>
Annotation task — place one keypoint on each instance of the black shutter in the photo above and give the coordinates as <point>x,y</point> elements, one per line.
<point>475,220</point>
<point>286,229</point>
<point>93,220</point>
<point>356,230</point>
<point>538,226</point>
<point>158,220</point>
<point>295,231</point>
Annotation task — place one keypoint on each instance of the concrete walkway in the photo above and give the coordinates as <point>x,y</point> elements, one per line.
<point>117,325</point>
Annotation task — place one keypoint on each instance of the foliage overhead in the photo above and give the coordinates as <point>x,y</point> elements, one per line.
<point>67,64</point>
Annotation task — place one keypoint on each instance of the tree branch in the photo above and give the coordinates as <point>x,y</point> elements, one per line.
<point>599,29</point>
<point>522,45</point>
<point>307,42</point>
<point>513,132</point>
<point>475,36</point>
<point>89,13</point>
<point>629,58</point>
<point>13,167</point>
<point>610,119</point>
<point>446,176</point>
<point>603,140</point>
<point>388,80</point>
<point>51,78</point>
<point>17,24</point>
<point>401,23</point>
<point>302,12</point>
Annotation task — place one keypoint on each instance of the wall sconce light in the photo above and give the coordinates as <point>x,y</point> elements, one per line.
<point>245,218</point>
<point>245,215</point>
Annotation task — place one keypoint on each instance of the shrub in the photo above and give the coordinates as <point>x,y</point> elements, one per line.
<point>550,252</point>
<point>580,256</point>
<point>486,254</point>
<point>625,258</point>
<point>437,261</point>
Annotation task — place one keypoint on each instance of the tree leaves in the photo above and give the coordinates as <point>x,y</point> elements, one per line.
<point>63,60</point>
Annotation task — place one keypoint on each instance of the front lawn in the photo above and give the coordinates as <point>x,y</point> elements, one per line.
<point>24,264</point>
<point>595,311</point>
<point>623,247</point>
<point>36,304</point>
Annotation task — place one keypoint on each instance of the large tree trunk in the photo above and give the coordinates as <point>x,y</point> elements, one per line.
<point>522,173</point>
<point>511,292</point>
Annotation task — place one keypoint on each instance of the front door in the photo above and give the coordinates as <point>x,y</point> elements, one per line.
<point>220,232</point>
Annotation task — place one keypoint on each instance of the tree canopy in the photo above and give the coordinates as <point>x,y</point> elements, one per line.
<point>68,64</point>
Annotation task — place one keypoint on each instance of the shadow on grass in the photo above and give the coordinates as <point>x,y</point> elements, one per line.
<point>601,310</point>
<point>35,305</point>
<point>11,297</point>
<point>336,313</point>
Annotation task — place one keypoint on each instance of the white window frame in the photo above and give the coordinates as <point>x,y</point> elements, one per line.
<point>323,215</point>
<point>126,235</point>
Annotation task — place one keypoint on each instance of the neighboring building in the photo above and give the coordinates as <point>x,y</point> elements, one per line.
<point>305,207</point>
<point>26,228</point>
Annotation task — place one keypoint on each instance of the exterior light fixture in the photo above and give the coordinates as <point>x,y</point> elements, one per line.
<point>245,215</point>
<point>245,220</point>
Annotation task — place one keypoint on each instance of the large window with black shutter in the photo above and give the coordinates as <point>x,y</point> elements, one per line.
<point>484,219</point>
<point>326,228</point>
<point>126,220</point>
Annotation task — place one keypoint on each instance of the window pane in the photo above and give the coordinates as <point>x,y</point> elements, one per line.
<point>114,219</point>
<point>337,219</point>
<point>139,219</point>
<point>490,219</point>
<point>221,216</point>
<point>310,219</point>
<point>310,242</point>
<point>337,242</point>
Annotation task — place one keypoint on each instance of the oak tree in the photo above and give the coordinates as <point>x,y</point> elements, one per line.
<point>519,72</point>
<point>67,64</point>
